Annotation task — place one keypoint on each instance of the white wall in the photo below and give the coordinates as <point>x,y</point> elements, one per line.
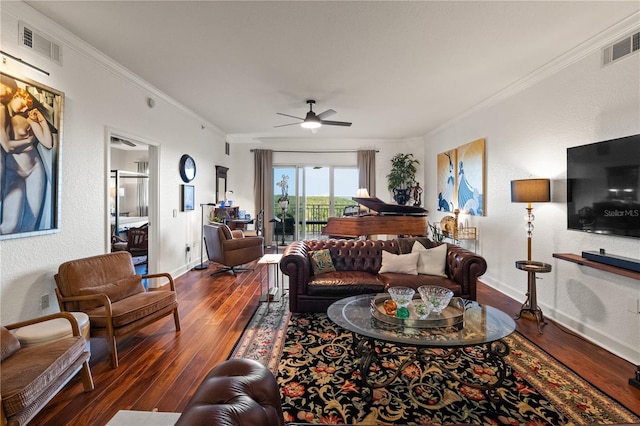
<point>526,136</point>
<point>99,95</point>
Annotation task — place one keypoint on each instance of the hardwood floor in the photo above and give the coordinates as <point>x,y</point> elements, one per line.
<point>160,369</point>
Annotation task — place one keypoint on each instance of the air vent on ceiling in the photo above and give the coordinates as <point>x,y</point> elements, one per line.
<point>621,48</point>
<point>38,42</point>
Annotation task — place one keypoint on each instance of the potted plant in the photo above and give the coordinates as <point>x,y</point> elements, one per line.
<point>402,176</point>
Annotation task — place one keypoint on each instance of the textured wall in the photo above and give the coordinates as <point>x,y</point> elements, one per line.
<point>526,136</point>
<point>99,97</point>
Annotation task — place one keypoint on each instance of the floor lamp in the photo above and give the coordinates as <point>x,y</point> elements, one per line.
<point>530,191</point>
<point>202,266</point>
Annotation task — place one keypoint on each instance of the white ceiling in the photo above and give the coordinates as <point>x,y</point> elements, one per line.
<point>394,69</point>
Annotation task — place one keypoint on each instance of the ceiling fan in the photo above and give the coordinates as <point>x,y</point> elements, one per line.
<point>117,141</point>
<point>313,121</point>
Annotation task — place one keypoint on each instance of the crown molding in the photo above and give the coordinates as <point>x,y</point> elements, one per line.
<point>23,12</point>
<point>584,49</point>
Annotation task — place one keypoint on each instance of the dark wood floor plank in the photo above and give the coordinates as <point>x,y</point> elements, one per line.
<point>160,369</point>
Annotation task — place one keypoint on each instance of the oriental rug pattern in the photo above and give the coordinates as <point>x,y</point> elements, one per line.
<point>320,384</point>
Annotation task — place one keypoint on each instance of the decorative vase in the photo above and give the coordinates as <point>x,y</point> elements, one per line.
<point>401,196</point>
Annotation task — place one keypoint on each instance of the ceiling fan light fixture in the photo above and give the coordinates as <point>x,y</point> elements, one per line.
<point>310,124</point>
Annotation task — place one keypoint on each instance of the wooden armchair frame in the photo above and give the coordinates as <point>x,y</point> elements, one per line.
<point>110,332</point>
<point>84,369</point>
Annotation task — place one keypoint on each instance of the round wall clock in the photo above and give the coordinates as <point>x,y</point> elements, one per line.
<point>187,168</point>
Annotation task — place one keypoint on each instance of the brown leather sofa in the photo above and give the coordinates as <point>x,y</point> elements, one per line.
<point>357,264</point>
<point>236,392</point>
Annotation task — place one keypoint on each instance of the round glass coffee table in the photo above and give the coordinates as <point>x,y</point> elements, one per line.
<point>483,325</point>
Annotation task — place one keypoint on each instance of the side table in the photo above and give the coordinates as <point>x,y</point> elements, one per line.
<point>531,304</point>
<point>273,292</point>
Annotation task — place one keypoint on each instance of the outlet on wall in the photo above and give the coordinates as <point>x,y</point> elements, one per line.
<point>44,301</point>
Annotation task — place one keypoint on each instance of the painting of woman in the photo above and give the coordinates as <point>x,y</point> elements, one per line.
<point>27,142</point>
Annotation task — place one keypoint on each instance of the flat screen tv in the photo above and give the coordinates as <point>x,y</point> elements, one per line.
<point>603,187</point>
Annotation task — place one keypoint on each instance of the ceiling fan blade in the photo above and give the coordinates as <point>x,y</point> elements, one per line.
<point>291,124</point>
<point>327,113</point>
<point>122,141</point>
<point>287,115</point>
<point>336,123</point>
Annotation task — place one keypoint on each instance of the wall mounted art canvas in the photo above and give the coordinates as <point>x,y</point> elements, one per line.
<point>188,197</point>
<point>30,138</point>
<point>446,184</point>
<point>461,177</point>
<point>470,178</point>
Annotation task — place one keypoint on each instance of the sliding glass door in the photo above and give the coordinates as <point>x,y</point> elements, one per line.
<point>305,197</point>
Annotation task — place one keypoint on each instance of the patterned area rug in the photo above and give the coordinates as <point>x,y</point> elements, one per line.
<point>265,334</point>
<point>320,384</point>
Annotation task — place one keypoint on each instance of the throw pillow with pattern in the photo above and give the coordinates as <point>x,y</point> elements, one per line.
<point>321,262</point>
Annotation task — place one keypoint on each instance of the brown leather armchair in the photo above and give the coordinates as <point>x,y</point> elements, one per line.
<point>31,376</point>
<point>107,288</point>
<point>231,248</point>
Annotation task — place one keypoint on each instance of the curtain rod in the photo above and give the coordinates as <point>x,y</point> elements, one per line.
<point>318,152</point>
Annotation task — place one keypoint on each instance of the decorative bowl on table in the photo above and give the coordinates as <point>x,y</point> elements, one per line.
<point>422,309</point>
<point>437,297</point>
<point>402,296</point>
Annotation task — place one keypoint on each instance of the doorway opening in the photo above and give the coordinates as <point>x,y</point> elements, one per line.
<point>132,199</point>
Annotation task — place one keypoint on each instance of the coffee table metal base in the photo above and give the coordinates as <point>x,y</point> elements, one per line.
<point>493,355</point>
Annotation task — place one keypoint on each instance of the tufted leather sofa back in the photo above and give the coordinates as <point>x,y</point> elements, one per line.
<point>236,392</point>
<point>355,255</point>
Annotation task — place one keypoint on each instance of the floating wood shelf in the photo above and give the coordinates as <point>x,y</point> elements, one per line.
<point>570,257</point>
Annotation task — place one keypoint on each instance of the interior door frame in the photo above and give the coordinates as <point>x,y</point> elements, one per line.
<point>154,190</point>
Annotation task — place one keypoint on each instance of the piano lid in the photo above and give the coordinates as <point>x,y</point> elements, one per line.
<point>377,205</point>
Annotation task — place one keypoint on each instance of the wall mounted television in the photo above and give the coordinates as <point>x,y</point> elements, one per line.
<point>603,187</point>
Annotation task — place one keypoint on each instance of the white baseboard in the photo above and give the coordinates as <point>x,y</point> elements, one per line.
<point>617,347</point>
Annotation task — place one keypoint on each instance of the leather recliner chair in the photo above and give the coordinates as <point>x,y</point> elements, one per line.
<point>231,248</point>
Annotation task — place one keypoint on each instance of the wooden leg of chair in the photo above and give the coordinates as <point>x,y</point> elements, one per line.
<point>85,374</point>
<point>114,351</point>
<point>176,319</point>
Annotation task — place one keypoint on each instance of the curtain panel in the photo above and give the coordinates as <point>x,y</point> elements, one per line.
<point>263,189</point>
<point>367,170</point>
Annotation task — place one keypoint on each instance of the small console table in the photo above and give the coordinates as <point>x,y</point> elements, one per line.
<point>531,304</point>
<point>575,258</point>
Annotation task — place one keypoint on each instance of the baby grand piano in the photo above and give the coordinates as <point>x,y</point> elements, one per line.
<point>387,219</point>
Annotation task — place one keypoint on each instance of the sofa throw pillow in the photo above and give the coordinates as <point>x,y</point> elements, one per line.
<point>399,263</point>
<point>321,262</point>
<point>431,261</point>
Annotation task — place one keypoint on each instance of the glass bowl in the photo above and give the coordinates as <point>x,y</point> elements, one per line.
<point>402,296</point>
<point>437,297</point>
<point>422,309</point>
